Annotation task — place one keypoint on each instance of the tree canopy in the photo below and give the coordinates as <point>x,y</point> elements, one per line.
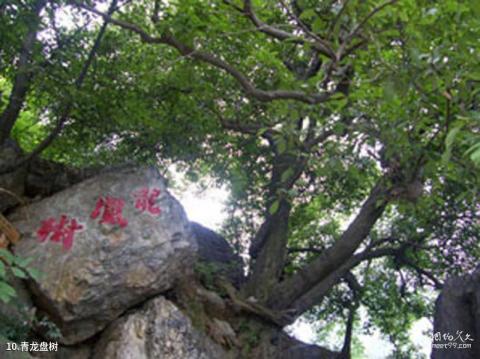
<point>347,131</point>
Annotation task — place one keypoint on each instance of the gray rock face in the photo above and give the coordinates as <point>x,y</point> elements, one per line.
<point>458,310</point>
<point>214,249</point>
<point>104,245</point>
<point>307,351</point>
<point>158,330</point>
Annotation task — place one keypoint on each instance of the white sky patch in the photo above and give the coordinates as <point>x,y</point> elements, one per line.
<point>205,207</point>
<point>376,347</point>
<point>303,331</point>
<point>419,335</point>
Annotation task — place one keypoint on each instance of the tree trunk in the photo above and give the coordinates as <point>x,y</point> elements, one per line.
<point>457,319</point>
<point>23,75</point>
<point>269,248</point>
<point>307,278</point>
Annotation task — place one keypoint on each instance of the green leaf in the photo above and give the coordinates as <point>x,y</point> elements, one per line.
<point>23,262</point>
<point>262,131</point>
<point>281,145</point>
<point>475,157</point>
<point>274,207</point>
<point>449,143</point>
<point>192,176</point>
<point>2,270</point>
<point>7,256</point>
<point>451,136</point>
<point>34,273</point>
<point>474,153</point>
<point>6,291</point>
<point>286,175</point>
<point>308,14</point>
<point>5,298</point>
<point>472,149</point>
<point>318,25</point>
<point>17,272</point>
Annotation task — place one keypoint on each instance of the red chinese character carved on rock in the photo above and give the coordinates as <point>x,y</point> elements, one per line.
<point>145,200</point>
<point>112,211</point>
<point>63,231</point>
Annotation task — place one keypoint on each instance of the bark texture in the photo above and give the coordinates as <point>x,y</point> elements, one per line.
<point>457,313</point>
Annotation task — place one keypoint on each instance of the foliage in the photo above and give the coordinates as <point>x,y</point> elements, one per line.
<point>21,328</point>
<point>207,272</point>
<point>250,335</point>
<point>15,329</point>
<point>16,266</point>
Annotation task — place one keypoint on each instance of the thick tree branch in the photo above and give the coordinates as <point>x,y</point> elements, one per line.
<point>23,75</point>
<point>352,281</point>
<point>347,341</point>
<point>322,288</point>
<point>362,23</point>
<point>322,46</point>
<point>253,129</point>
<point>269,247</point>
<point>313,140</point>
<point>422,272</point>
<point>342,52</point>
<point>315,295</point>
<point>305,249</point>
<point>301,24</point>
<point>337,18</point>
<point>235,125</point>
<point>185,50</point>
<point>353,307</point>
<point>336,256</point>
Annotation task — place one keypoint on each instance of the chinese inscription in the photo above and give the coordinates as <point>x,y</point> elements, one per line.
<point>32,346</point>
<point>110,209</point>
<point>145,200</point>
<point>61,231</point>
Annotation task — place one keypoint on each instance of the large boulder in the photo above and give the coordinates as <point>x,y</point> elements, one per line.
<point>157,330</point>
<point>104,245</point>
<point>456,326</point>
<point>214,250</point>
<point>290,348</point>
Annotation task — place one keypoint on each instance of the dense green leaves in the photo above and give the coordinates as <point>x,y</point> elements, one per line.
<point>16,266</point>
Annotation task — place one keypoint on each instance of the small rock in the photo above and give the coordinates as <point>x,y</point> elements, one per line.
<point>157,330</point>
